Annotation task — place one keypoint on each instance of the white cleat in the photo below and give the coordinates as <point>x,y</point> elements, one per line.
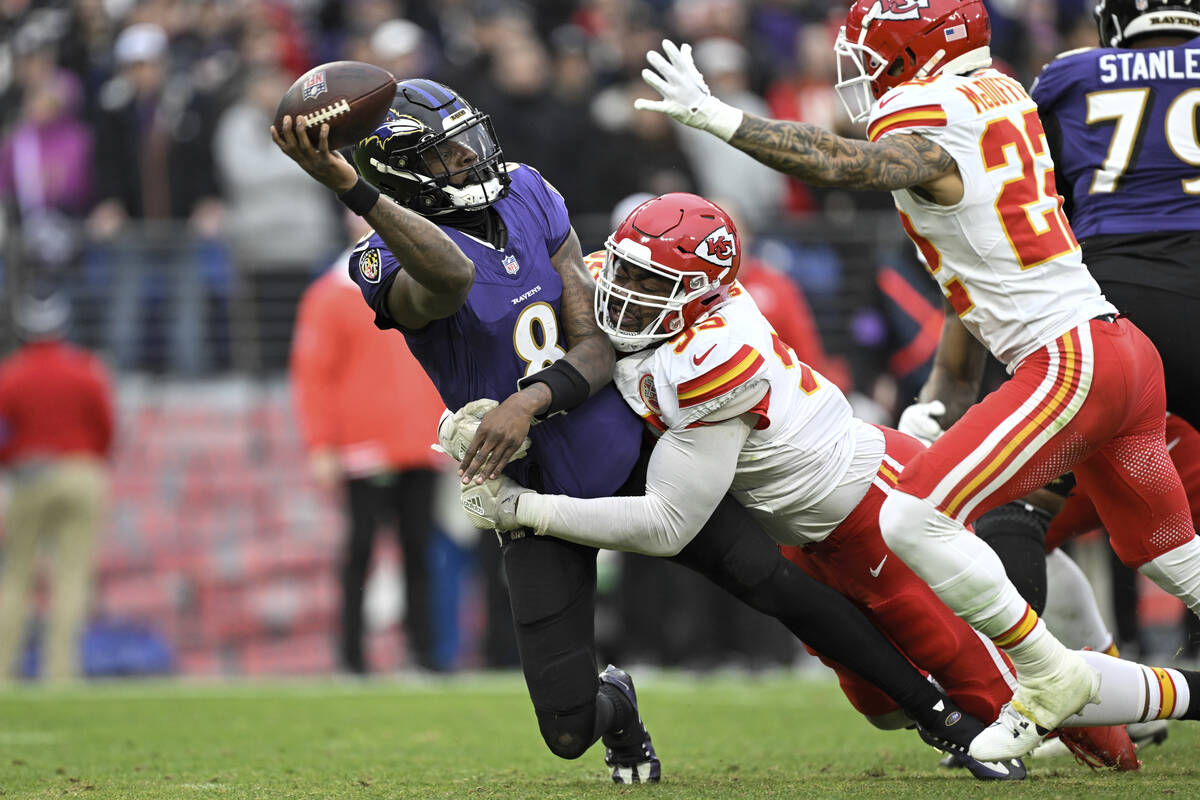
<point>1038,706</point>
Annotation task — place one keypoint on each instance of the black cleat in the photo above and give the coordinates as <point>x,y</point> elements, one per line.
<point>629,752</point>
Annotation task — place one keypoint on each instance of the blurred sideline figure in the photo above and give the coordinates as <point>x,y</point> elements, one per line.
<point>56,430</point>
<point>368,415</point>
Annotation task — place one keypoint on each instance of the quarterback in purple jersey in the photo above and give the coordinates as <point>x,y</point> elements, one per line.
<point>475,262</point>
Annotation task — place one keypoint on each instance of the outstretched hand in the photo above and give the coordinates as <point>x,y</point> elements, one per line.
<point>325,165</point>
<point>500,438</point>
<point>685,95</point>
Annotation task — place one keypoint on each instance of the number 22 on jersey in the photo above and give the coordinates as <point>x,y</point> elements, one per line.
<point>1035,238</point>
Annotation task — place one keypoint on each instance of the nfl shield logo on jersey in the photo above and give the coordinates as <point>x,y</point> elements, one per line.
<point>315,85</point>
<point>510,264</point>
<point>368,265</point>
<point>901,9</point>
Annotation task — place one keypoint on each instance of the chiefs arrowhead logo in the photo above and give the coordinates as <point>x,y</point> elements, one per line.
<point>719,247</point>
<point>900,9</point>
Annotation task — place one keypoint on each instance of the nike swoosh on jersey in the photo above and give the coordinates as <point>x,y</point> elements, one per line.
<point>1171,444</point>
<point>878,568</point>
<point>698,360</point>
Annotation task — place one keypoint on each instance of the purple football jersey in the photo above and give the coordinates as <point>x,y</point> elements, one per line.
<point>1128,149</point>
<point>509,328</point>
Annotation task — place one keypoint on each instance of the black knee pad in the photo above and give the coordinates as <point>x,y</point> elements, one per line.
<point>563,691</point>
<point>1017,532</point>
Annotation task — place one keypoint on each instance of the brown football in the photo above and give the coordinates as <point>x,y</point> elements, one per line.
<point>352,96</point>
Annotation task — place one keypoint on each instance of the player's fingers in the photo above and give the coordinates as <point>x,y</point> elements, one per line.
<point>642,104</point>
<point>476,456</point>
<point>324,148</point>
<point>500,458</point>
<point>303,142</point>
<point>654,81</point>
<point>670,50</point>
<point>664,68</point>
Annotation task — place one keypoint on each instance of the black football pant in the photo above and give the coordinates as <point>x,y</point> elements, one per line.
<point>405,499</point>
<point>552,588</point>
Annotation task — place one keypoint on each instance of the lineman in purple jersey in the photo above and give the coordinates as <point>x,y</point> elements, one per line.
<point>1120,120</point>
<point>475,262</point>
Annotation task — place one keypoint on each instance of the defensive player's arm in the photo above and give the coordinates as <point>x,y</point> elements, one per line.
<point>957,370</point>
<point>435,276</point>
<point>822,158</point>
<point>689,472</point>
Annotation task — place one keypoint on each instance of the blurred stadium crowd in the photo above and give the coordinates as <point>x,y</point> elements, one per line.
<point>139,181</point>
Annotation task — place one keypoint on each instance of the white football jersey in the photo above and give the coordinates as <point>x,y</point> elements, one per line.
<point>1004,255</point>
<point>808,461</point>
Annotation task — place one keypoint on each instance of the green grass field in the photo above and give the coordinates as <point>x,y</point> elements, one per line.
<point>475,737</point>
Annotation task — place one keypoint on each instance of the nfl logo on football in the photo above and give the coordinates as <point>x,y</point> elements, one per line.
<point>510,264</point>
<point>315,85</point>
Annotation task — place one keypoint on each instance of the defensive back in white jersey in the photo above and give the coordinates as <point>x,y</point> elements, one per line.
<point>806,443</point>
<point>1004,255</point>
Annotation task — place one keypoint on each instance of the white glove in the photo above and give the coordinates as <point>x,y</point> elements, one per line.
<point>685,94</point>
<point>456,431</point>
<point>492,505</point>
<point>920,420</point>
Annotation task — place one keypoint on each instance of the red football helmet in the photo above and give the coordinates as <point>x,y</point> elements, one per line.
<point>681,241</point>
<point>885,43</point>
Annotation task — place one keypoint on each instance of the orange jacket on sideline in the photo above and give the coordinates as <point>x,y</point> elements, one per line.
<point>55,400</point>
<point>357,388</point>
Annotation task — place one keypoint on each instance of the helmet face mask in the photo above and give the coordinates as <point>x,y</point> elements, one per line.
<point>1120,21</point>
<point>434,153</point>
<point>670,261</point>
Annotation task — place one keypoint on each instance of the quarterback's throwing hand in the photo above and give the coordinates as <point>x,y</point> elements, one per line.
<point>492,505</point>
<point>685,94</point>
<point>323,164</point>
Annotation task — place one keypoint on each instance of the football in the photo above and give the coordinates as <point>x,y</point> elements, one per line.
<point>352,96</point>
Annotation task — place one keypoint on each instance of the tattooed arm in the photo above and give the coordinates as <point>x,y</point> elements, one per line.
<point>817,156</point>
<point>436,274</point>
<point>588,349</point>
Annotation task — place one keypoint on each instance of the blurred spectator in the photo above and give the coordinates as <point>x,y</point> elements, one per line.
<point>399,46</point>
<point>281,224</point>
<point>638,153</point>
<point>721,170</point>
<point>46,172</point>
<point>783,303</point>
<point>153,171</point>
<point>56,419</point>
<point>368,414</point>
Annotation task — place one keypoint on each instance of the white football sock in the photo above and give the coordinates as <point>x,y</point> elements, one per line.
<point>1071,610</point>
<point>1178,572</point>
<point>1132,692</point>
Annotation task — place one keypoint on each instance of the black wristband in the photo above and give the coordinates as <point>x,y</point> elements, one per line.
<point>360,198</point>
<point>568,388</point>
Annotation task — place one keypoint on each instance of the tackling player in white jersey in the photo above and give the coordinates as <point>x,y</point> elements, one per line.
<point>737,411</point>
<point>962,150</point>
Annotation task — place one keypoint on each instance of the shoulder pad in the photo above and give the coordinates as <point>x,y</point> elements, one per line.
<point>1076,51</point>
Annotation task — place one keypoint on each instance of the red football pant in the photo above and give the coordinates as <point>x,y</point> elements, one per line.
<point>855,561</point>
<point>1078,514</point>
<point>1092,401</point>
